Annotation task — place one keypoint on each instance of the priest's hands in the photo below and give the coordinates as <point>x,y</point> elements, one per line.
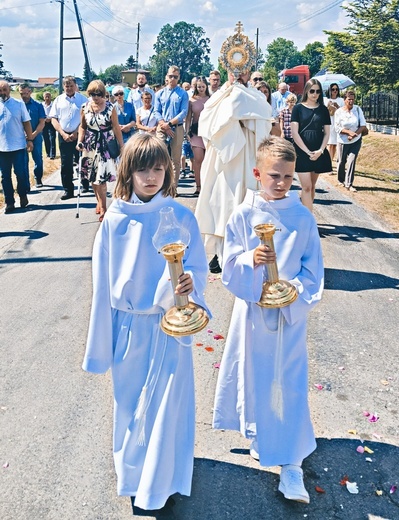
<point>185,285</point>
<point>264,255</point>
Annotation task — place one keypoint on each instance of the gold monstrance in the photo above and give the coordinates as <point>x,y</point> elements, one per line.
<point>185,317</point>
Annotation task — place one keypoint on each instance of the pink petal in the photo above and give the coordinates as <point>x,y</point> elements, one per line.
<point>366,414</point>
<point>318,386</point>
<point>6,464</point>
<point>209,331</point>
<point>373,418</point>
<point>218,336</point>
<point>216,365</point>
<point>393,489</point>
<point>360,449</point>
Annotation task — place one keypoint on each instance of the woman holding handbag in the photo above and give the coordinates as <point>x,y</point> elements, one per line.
<point>350,126</point>
<point>99,135</point>
<point>310,127</point>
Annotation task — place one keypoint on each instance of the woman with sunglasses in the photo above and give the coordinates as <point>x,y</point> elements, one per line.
<point>310,127</point>
<point>333,101</point>
<point>99,124</point>
<point>125,112</point>
<point>195,107</point>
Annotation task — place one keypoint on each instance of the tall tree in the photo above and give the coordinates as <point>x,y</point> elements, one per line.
<point>184,45</point>
<point>312,55</point>
<point>4,74</point>
<point>338,53</point>
<point>373,35</point>
<point>112,74</point>
<point>131,62</point>
<point>282,54</point>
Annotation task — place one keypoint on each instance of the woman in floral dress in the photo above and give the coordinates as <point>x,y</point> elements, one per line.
<point>99,125</point>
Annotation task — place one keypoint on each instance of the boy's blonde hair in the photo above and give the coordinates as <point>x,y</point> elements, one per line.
<point>140,152</point>
<point>276,147</point>
<point>292,97</point>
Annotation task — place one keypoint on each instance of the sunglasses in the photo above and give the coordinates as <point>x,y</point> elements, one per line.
<point>120,94</point>
<point>332,90</point>
<point>257,79</point>
<point>98,94</point>
<point>314,91</point>
<point>172,76</point>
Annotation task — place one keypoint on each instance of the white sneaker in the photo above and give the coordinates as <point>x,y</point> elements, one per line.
<point>291,484</point>
<point>254,450</point>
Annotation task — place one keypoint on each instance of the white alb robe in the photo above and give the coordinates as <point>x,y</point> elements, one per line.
<point>234,121</point>
<point>243,394</point>
<point>131,292</point>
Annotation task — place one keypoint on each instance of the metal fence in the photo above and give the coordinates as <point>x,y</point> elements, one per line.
<point>381,108</point>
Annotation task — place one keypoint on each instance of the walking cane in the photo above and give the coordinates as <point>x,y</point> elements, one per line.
<point>79,184</point>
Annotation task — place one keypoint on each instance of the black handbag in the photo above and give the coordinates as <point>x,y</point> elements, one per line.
<point>193,129</point>
<point>113,148</point>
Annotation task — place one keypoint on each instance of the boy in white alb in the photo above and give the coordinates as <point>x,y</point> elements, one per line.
<point>266,347</point>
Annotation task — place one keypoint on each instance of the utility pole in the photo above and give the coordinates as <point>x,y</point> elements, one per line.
<point>137,48</point>
<point>257,49</point>
<point>82,38</point>
<point>62,38</point>
<point>61,62</point>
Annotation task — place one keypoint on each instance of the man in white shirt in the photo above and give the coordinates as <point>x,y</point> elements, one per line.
<point>65,117</point>
<point>214,81</point>
<point>134,96</point>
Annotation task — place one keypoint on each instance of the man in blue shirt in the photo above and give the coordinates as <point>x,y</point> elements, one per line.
<point>170,110</point>
<point>15,138</point>
<point>279,99</point>
<point>37,120</point>
<point>65,117</point>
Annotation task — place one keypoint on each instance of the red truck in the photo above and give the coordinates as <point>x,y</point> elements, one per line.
<point>295,78</point>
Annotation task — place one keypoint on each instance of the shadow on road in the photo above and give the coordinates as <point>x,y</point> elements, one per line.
<point>223,491</point>
<point>353,281</point>
<point>352,233</point>
<point>31,234</point>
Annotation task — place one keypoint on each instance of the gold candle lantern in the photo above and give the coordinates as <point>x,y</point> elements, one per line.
<point>185,317</point>
<point>276,293</point>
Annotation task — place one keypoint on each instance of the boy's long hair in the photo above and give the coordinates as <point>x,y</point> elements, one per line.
<point>276,147</point>
<point>140,152</point>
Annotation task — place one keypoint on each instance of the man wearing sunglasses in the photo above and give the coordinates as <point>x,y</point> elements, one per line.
<point>255,78</point>
<point>65,118</point>
<point>170,110</point>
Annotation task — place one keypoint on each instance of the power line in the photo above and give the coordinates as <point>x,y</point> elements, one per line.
<point>25,5</point>
<point>103,33</point>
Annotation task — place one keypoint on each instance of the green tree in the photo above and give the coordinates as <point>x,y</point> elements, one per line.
<point>338,53</point>
<point>4,74</point>
<point>312,55</point>
<point>112,74</point>
<point>182,44</point>
<point>88,75</point>
<point>131,62</point>
<point>270,75</point>
<point>372,36</point>
<point>282,54</point>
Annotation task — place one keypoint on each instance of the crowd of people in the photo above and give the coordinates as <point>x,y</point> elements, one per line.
<point>247,143</point>
<point>172,112</point>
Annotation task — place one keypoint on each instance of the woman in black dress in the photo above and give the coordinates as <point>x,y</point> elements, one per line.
<point>310,126</point>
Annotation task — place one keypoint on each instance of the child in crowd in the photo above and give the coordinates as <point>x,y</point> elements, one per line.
<point>154,416</point>
<point>262,389</point>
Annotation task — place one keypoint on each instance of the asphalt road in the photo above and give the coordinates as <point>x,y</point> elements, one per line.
<point>56,420</point>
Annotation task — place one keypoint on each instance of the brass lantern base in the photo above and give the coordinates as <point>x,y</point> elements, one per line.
<point>184,321</point>
<point>277,294</point>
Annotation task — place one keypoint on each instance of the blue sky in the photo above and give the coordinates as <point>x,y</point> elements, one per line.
<point>29,29</point>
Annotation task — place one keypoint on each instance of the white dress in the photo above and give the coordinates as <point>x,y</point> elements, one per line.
<point>131,290</point>
<point>234,121</point>
<point>333,133</point>
<point>252,358</point>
